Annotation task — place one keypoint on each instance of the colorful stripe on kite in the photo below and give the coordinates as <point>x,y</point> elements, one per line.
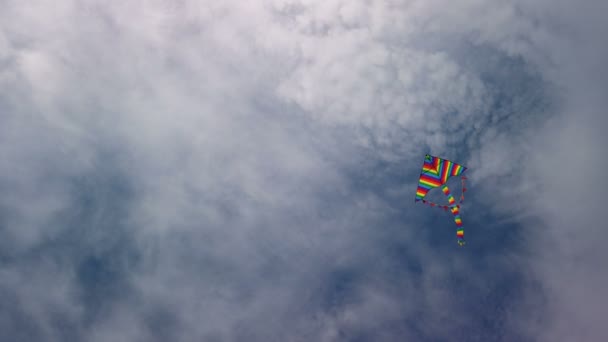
<point>435,173</point>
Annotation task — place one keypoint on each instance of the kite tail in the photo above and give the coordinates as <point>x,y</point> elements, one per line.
<point>455,209</point>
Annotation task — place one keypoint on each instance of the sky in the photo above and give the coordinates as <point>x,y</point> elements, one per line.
<point>246,171</point>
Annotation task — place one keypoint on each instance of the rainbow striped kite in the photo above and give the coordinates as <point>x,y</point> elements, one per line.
<point>435,173</point>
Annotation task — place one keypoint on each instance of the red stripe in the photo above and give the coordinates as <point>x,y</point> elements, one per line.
<point>444,173</point>
<point>429,166</point>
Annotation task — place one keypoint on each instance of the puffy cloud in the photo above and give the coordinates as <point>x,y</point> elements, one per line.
<point>189,170</point>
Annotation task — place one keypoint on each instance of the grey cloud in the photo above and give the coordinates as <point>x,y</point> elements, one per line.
<point>219,172</point>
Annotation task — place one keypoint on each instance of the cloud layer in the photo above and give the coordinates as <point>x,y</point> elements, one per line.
<point>243,172</point>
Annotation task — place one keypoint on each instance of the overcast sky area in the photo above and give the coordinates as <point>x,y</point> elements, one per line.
<point>246,170</point>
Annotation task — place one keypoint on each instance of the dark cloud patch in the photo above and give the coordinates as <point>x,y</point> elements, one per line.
<point>16,322</point>
<point>161,324</point>
<point>95,240</point>
<point>88,242</point>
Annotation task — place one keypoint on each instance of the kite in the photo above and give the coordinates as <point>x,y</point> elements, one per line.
<point>435,173</point>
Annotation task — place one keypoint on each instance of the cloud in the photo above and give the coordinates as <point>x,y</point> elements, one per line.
<point>227,172</point>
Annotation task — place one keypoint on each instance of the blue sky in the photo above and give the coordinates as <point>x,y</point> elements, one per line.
<point>193,171</point>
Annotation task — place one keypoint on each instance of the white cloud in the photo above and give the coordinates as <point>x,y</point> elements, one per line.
<point>236,125</point>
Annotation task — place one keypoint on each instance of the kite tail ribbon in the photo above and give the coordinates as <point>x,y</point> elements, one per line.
<point>455,209</point>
